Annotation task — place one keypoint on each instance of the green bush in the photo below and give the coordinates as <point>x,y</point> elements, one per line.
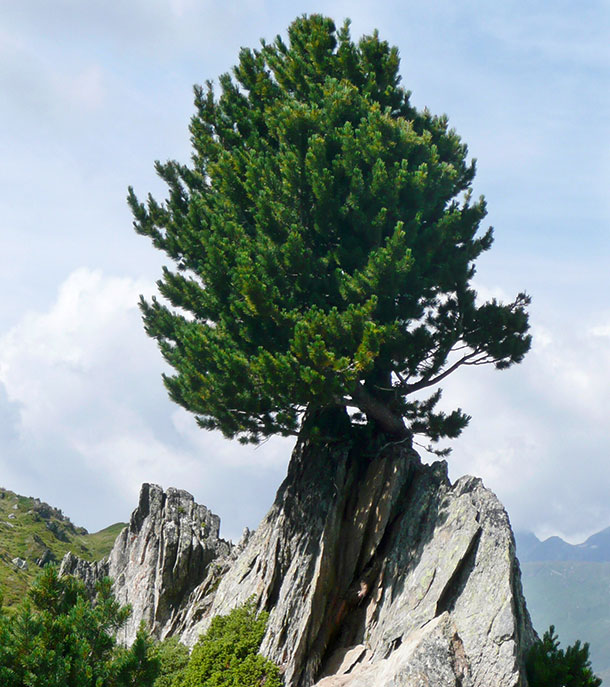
<point>174,658</point>
<point>227,654</point>
<point>549,666</point>
<point>59,637</point>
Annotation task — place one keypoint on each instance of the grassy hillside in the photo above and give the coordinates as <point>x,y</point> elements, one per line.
<point>33,533</point>
<point>575,597</point>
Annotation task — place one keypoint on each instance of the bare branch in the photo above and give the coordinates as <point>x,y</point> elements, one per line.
<point>423,383</point>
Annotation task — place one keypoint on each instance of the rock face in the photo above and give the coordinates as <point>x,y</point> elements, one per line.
<point>377,571</point>
<point>170,548</point>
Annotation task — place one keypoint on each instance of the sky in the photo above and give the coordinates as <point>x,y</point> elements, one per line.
<point>93,93</point>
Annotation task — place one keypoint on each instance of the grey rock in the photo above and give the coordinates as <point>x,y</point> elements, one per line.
<point>20,563</point>
<point>376,571</point>
<point>47,557</point>
<point>46,512</point>
<point>58,530</point>
<point>11,516</point>
<point>89,572</point>
<point>198,605</point>
<point>170,549</point>
<point>432,655</point>
<point>373,555</point>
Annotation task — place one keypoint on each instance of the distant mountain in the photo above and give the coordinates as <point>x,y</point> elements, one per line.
<point>568,585</point>
<point>596,549</point>
<point>33,533</point>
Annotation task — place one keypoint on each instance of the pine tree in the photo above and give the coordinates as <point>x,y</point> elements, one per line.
<point>550,666</point>
<point>140,665</point>
<point>59,637</point>
<point>324,240</point>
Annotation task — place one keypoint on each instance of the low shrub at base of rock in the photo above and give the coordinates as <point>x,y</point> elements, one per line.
<point>227,654</point>
<point>174,657</point>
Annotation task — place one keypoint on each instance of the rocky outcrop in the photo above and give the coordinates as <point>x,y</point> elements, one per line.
<point>89,572</point>
<point>377,571</point>
<point>20,563</point>
<point>56,521</point>
<point>169,549</point>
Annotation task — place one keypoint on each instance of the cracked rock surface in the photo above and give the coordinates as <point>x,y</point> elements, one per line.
<point>377,571</point>
<point>168,556</point>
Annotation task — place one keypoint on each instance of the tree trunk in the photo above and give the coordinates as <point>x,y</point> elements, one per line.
<point>377,410</point>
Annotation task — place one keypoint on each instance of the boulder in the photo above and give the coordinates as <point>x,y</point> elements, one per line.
<point>20,563</point>
<point>45,558</point>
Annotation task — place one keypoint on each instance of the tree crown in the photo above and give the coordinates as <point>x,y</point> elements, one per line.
<point>324,239</point>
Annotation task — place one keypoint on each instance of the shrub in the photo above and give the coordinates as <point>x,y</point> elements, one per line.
<point>227,654</point>
<point>174,658</point>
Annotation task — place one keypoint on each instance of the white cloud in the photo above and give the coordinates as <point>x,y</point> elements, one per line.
<point>57,362</point>
<point>86,412</point>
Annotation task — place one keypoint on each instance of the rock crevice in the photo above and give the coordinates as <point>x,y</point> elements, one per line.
<point>376,550</point>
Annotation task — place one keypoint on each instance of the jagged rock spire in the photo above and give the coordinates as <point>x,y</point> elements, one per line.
<point>375,569</point>
<point>170,547</point>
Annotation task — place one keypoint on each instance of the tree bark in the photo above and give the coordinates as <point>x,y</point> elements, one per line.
<point>379,411</point>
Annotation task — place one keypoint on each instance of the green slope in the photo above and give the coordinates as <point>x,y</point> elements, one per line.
<point>36,533</point>
<point>575,597</point>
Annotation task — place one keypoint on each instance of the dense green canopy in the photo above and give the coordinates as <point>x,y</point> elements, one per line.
<point>324,239</point>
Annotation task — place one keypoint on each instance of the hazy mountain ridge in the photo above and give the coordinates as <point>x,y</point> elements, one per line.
<point>33,533</point>
<point>595,549</point>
